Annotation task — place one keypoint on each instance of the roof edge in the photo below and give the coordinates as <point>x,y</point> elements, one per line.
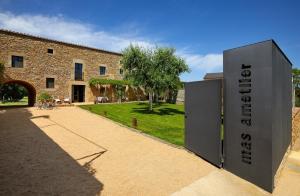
<point>10,32</point>
<point>268,40</point>
<point>282,52</point>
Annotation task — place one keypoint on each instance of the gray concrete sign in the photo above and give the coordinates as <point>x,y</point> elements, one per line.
<point>257,111</point>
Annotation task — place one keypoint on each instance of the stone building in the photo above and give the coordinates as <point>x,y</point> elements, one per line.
<point>61,69</point>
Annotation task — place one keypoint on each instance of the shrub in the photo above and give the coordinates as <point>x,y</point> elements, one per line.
<point>44,97</point>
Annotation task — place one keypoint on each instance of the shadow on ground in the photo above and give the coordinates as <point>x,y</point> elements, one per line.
<point>32,164</point>
<point>157,110</point>
<point>2,107</point>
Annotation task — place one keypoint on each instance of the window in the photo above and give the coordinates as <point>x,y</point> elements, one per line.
<point>78,71</point>
<point>17,61</point>
<point>121,71</point>
<point>49,82</point>
<point>102,70</point>
<point>50,51</point>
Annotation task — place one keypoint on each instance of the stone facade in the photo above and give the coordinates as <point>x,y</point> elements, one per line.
<point>38,64</point>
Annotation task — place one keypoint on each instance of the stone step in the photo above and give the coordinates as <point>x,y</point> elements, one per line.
<point>221,182</point>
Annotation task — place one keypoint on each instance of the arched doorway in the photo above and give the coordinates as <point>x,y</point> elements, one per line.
<point>31,90</point>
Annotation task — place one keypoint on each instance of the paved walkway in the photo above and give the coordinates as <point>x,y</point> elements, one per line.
<point>69,151</point>
<point>221,182</point>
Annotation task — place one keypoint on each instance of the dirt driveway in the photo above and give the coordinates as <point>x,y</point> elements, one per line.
<point>69,151</point>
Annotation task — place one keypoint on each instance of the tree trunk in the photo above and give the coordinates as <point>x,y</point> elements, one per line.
<point>119,93</point>
<point>150,100</point>
<point>172,96</point>
<point>157,97</point>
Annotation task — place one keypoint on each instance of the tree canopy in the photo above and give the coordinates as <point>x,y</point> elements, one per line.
<point>12,92</point>
<point>296,77</point>
<point>155,69</point>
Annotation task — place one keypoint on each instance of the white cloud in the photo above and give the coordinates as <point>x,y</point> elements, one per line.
<point>60,28</point>
<point>206,63</point>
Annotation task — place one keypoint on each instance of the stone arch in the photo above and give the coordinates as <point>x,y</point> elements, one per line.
<point>31,90</point>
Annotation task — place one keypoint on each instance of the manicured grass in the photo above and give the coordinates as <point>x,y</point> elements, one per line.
<point>23,101</point>
<point>166,121</point>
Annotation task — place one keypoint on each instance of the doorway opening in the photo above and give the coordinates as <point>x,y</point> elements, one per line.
<point>78,93</point>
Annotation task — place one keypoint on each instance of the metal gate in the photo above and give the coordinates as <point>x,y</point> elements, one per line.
<point>203,119</point>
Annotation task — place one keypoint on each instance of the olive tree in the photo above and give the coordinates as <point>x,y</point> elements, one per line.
<point>296,85</point>
<point>153,69</point>
<point>170,66</point>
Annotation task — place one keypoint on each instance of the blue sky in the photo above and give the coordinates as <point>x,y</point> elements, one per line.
<point>199,30</point>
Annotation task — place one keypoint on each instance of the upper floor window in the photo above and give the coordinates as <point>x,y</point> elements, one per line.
<point>49,82</point>
<point>17,61</point>
<point>121,71</point>
<point>50,51</point>
<point>102,70</point>
<point>78,71</point>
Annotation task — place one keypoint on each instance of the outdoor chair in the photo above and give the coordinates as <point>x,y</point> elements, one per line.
<point>101,100</point>
<point>125,99</point>
<point>67,100</point>
<point>57,101</point>
<point>45,104</point>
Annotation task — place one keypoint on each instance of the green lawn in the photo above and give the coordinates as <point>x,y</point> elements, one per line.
<point>166,121</point>
<point>23,101</point>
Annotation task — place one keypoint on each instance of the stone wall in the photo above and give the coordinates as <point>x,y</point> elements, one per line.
<point>295,125</point>
<point>295,136</point>
<point>180,95</point>
<point>39,64</point>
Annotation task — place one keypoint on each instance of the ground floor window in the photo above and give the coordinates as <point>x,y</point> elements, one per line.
<point>49,82</point>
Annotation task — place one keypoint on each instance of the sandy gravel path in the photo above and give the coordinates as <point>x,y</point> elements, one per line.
<point>69,151</point>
